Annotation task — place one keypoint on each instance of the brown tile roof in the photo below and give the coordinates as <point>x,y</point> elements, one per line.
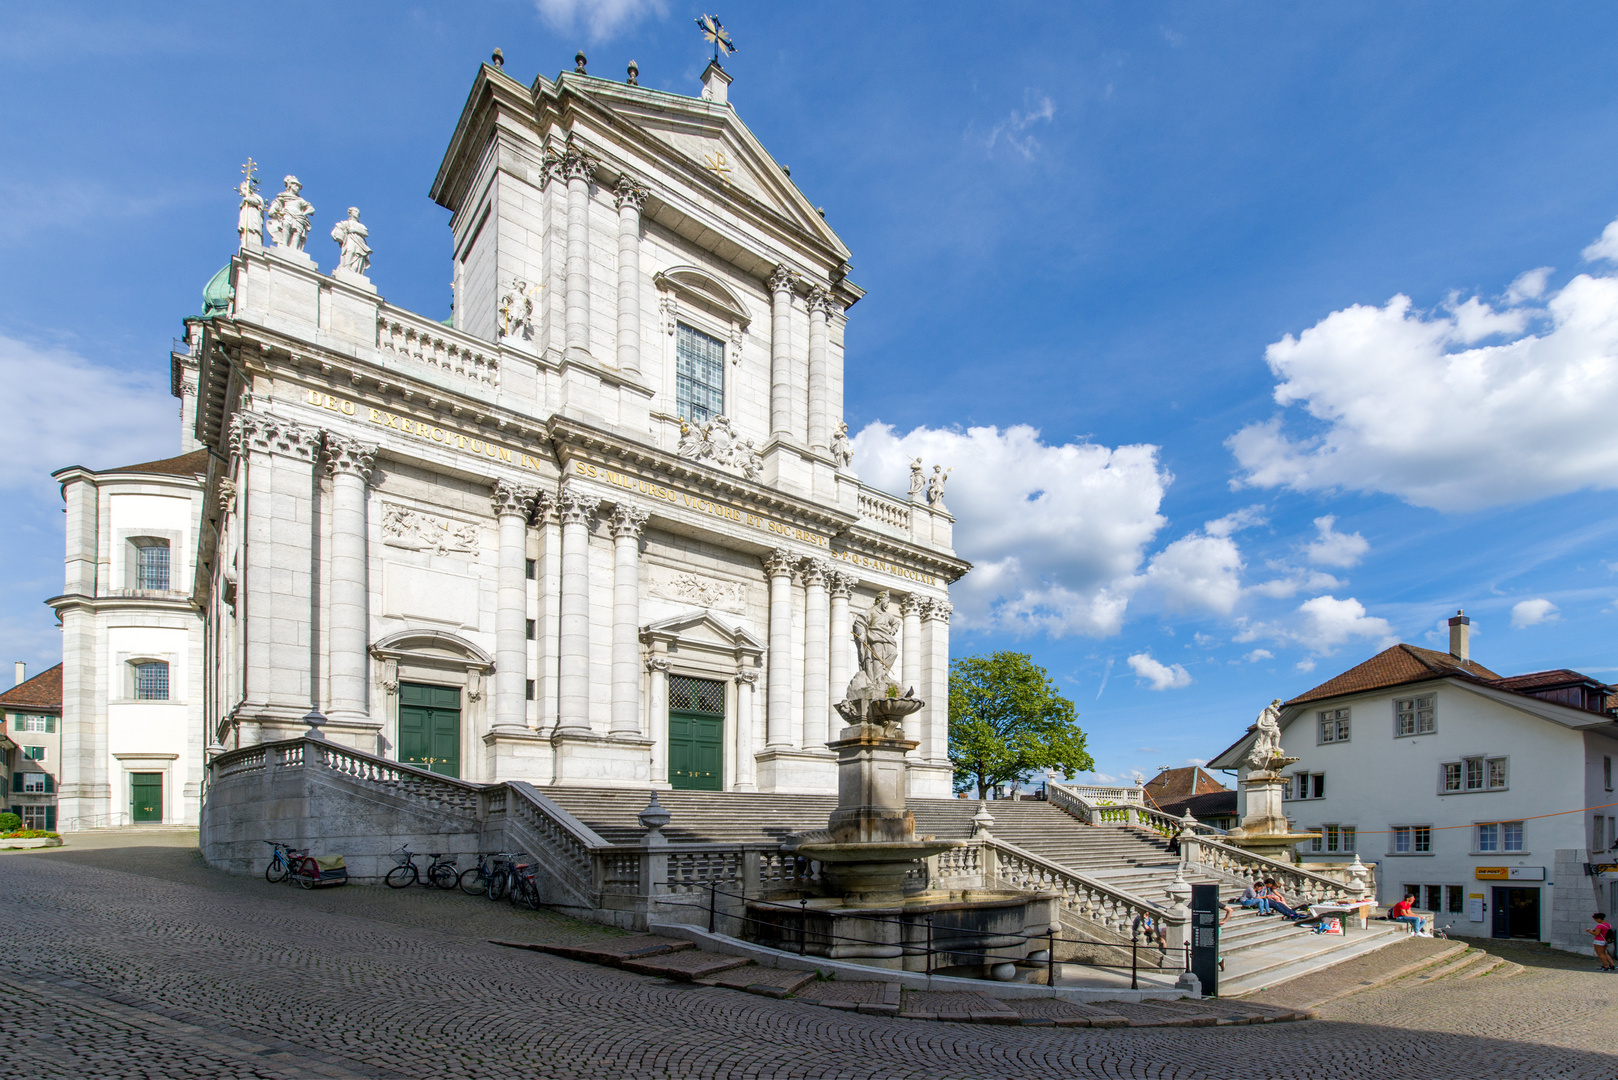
<point>1536,680</point>
<point>193,464</point>
<point>43,692</point>
<point>1221,803</point>
<point>1172,784</point>
<point>1395,667</point>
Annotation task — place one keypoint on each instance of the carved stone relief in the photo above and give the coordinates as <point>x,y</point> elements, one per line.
<point>689,588</point>
<point>406,527</point>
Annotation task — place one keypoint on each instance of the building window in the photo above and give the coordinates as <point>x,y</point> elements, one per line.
<point>1606,772</point>
<point>1333,725</point>
<point>1452,776</point>
<point>33,783</point>
<point>1308,786</point>
<point>1500,836</point>
<point>38,817</point>
<point>1476,774</point>
<point>1497,772</point>
<point>699,375</point>
<point>1335,839</point>
<point>151,681</point>
<point>152,564</point>
<point>33,753</point>
<point>1412,839</point>
<point>1511,836</point>
<point>530,569</point>
<point>529,691</point>
<point>529,629</point>
<point>1415,715</point>
<point>47,724</point>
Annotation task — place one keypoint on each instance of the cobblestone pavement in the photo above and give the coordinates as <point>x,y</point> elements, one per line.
<point>140,962</point>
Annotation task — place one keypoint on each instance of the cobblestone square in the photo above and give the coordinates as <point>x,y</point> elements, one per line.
<point>132,959</point>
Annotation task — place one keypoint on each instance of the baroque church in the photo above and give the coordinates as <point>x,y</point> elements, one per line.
<point>601,527</point>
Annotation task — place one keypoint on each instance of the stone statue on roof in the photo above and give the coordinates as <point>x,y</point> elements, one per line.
<point>289,216</point>
<point>355,253</point>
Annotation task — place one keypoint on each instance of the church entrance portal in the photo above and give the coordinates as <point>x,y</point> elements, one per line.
<point>430,727</point>
<point>696,734</point>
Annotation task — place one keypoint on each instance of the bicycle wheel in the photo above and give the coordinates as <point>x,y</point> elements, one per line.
<point>473,883</point>
<point>497,885</point>
<point>530,894</point>
<point>402,877</point>
<point>444,875</point>
<point>276,871</point>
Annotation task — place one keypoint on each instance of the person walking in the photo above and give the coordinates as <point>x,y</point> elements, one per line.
<point>1602,933</point>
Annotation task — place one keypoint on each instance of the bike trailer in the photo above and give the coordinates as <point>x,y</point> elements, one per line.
<point>316,870</point>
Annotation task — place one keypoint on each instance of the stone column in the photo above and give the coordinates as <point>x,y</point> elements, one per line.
<point>548,613</point>
<point>512,505</point>
<point>349,463</point>
<point>627,522</point>
<point>578,169</point>
<point>935,646</point>
<point>631,197</point>
<point>658,716</point>
<point>746,683</point>
<point>814,653</point>
<point>839,658</point>
<point>778,708</point>
<point>819,374</point>
<point>781,285</point>
<point>910,658</point>
<point>573,692</point>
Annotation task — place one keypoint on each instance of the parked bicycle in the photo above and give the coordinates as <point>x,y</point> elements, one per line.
<point>524,886</point>
<point>441,871</point>
<point>500,873</point>
<point>476,881</point>
<point>282,861</point>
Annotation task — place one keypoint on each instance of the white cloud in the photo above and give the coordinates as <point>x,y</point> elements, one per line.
<point>1056,533</point>
<point>1305,665</point>
<point>1527,613</point>
<point>1161,676</point>
<point>1605,248</point>
<point>1259,654</point>
<point>1529,285</point>
<point>1196,572</point>
<point>1012,130</point>
<point>1332,548</point>
<point>119,417</point>
<point>599,18</point>
<point>1293,581</point>
<point>1246,518</point>
<point>1402,402</point>
<point>1321,625</point>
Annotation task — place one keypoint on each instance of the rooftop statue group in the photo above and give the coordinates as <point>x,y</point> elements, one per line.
<point>289,218</point>
<point>929,489</point>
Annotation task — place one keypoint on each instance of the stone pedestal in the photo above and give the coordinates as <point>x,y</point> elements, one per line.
<point>1265,830</point>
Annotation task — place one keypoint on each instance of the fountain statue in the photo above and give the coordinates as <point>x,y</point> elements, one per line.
<point>1265,830</point>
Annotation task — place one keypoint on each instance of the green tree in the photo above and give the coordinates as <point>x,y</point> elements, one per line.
<point>1006,722</point>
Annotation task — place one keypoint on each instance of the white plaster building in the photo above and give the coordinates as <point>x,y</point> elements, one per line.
<point>31,745</point>
<point>1490,797</point>
<point>132,658</point>
<point>600,528</point>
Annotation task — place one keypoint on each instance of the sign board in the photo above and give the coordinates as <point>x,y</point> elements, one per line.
<point>1205,937</point>
<point>1511,873</point>
<point>1474,907</point>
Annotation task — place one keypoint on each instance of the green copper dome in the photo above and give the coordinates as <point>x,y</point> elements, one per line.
<point>217,294</point>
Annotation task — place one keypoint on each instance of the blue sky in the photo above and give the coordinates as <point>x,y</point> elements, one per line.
<point>1132,269</point>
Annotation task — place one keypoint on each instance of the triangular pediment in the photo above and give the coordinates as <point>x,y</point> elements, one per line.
<point>700,628</point>
<point>716,144</point>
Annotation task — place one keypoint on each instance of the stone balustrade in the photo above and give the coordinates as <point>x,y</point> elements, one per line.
<point>403,334</point>
<point>1356,880</point>
<point>883,509</point>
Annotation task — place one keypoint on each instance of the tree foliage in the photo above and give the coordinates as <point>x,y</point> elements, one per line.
<point>1007,722</point>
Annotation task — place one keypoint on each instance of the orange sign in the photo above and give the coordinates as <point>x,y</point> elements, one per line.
<point>1493,873</point>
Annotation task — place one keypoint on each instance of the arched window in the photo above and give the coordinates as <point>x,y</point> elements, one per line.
<point>151,680</point>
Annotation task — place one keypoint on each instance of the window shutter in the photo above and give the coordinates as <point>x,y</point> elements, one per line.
<point>50,818</point>
<point>16,781</point>
<point>50,784</point>
<point>16,721</point>
<point>50,725</point>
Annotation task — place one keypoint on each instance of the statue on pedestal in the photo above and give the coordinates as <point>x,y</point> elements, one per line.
<point>517,310</point>
<point>918,481</point>
<point>841,451</point>
<point>289,216</point>
<point>1267,743</point>
<point>935,486</point>
<point>250,218</point>
<point>350,235</point>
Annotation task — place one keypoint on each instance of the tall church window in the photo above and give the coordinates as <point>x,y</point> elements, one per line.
<point>152,564</point>
<point>699,375</point>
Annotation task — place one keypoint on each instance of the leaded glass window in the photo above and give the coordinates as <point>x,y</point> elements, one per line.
<point>699,375</point>
<point>152,681</point>
<point>153,565</point>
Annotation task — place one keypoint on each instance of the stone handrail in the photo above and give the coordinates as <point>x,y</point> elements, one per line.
<point>1084,896</point>
<point>404,333</point>
<point>1082,803</point>
<point>371,771</point>
<point>878,506</point>
<point>1308,887</point>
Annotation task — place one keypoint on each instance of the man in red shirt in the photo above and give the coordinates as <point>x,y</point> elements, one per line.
<point>1400,912</point>
<point>1602,932</point>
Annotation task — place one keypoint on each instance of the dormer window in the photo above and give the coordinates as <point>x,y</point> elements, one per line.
<point>699,375</point>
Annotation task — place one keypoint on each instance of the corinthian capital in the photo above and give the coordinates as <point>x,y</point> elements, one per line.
<point>778,563</point>
<point>783,280</point>
<point>817,301</point>
<point>349,457</point>
<point>513,499</point>
<point>937,609</point>
<point>630,193</point>
<point>268,434</point>
<point>628,520</point>
<point>840,585</point>
<point>544,507</point>
<point>577,166</point>
<point>814,571</point>
<point>576,507</point>
<point>910,605</point>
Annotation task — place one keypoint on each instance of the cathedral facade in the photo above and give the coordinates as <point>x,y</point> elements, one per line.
<point>601,527</point>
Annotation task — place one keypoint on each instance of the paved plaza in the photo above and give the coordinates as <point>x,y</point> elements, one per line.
<point>138,961</point>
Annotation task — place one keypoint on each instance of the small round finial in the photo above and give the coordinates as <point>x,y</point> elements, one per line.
<point>314,719</point>
<point>498,59</point>
<point>634,74</point>
<point>787,169</point>
<point>579,61</point>
<point>821,210</point>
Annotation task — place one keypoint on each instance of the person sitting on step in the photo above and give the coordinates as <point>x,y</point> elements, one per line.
<point>1400,912</point>
<point>1250,897</point>
<point>1276,902</point>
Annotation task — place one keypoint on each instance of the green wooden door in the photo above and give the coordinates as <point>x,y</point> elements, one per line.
<point>696,734</point>
<point>430,727</point>
<point>146,797</point>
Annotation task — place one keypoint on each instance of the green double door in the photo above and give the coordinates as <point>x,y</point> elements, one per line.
<point>696,734</point>
<point>430,727</point>
<point>146,798</point>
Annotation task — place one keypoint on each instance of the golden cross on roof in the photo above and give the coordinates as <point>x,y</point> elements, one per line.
<point>250,171</point>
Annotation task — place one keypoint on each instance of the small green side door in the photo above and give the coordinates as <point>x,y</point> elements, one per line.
<point>430,727</point>
<point>696,734</point>
<point>146,797</point>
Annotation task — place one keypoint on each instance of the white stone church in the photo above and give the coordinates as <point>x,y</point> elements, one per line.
<point>600,528</point>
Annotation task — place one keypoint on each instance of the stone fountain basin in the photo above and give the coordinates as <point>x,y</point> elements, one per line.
<point>880,852</point>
